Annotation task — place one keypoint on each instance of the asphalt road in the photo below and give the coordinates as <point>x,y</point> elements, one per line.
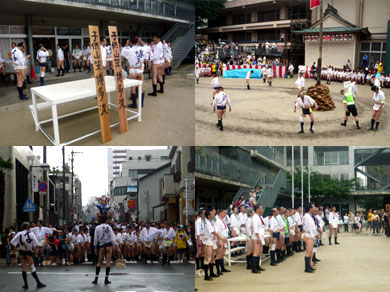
<point>135,278</point>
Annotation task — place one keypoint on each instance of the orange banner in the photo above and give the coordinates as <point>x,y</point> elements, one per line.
<point>117,64</point>
<point>101,94</point>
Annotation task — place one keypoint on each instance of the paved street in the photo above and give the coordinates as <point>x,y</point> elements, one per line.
<point>265,116</point>
<point>167,119</point>
<point>135,278</point>
<point>359,263</point>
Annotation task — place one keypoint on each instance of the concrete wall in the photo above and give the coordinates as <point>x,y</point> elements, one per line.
<point>149,194</point>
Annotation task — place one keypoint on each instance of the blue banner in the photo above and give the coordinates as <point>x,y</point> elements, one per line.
<point>241,73</point>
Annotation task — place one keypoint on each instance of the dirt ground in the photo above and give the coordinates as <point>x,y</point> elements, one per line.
<point>359,263</point>
<point>167,119</point>
<point>264,116</point>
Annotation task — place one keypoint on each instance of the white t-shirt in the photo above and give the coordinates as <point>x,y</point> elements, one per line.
<point>248,75</point>
<point>307,102</point>
<point>221,99</point>
<point>42,55</point>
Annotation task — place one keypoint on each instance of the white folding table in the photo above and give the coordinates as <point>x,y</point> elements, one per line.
<point>62,93</point>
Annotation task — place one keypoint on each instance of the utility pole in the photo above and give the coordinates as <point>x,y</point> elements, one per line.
<point>63,187</point>
<point>319,63</point>
<point>72,187</point>
<point>292,176</point>
<point>45,196</point>
<point>301,156</point>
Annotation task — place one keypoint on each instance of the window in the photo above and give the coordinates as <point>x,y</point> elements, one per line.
<point>241,18</point>
<point>148,157</point>
<point>376,47</point>
<point>331,158</point>
<point>139,157</point>
<point>164,157</point>
<point>269,15</point>
<point>130,158</point>
<point>343,177</point>
<point>376,51</point>
<point>133,173</point>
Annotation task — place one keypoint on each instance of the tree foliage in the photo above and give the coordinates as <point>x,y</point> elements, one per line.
<point>322,186</point>
<point>206,10</point>
<point>374,203</point>
<point>4,166</point>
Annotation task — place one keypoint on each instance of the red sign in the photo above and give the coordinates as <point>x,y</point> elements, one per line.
<point>42,187</point>
<point>131,204</point>
<point>314,3</point>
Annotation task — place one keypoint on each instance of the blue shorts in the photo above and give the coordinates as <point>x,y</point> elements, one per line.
<point>105,245</point>
<point>42,64</point>
<point>300,228</point>
<point>276,235</point>
<point>219,107</point>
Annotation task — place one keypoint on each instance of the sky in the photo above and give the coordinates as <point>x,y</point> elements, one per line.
<point>90,165</point>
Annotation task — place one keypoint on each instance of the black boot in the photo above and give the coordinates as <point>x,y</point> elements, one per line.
<point>58,72</point>
<point>248,86</point>
<point>301,131</point>
<point>165,260</point>
<point>161,87</point>
<point>273,262</point>
<point>106,282</point>
<point>330,240</point>
<point>24,275</point>
<point>278,256</point>
<point>218,266</point>
<point>206,273</point>
<point>376,126</point>
<point>222,264</point>
<point>344,124</point>
<point>89,68</point>
<point>197,261</point>
<point>28,79</point>
<point>39,283</point>
<point>311,127</point>
<point>133,97</point>
<point>372,125</point>
<point>335,240</point>
<point>154,93</point>
<point>163,77</point>
<point>308,269</point>
<point>96,275</point>
<point>202,262</point>
<point>254,265</point>
<point>315,258</point>
<point>258,265</point>
<point>63,72</point>
<point>212,272</point>
<point>249,262</point>
<point>142,99</point>
<point>221,126</point>
<point>80,69</point>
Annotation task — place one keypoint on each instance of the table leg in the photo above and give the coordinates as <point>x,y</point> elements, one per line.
<point>109,100</point>
<point>139,102</point>
<point>230,253</point>
<point>55,125</point>
<point>35,111</point>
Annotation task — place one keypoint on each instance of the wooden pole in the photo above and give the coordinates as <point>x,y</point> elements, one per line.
<point>120,91</point>
<point>319,63</point>
<point>101,93</point>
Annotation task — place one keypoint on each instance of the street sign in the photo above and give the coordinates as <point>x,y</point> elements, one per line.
<point>29,206</point>
<point>42,186</point>
<point>35,184</point>
<point>131,204</point>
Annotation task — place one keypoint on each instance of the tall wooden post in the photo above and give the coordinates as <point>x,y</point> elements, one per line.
<point>120,91</point>
<point>101,93</point>
<point>319,63</point>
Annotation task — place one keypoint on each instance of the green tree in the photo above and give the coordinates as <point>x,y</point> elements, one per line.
<point>322,186</point>
<point>374,203</point>
<point>4,166</point>
<point>206,10</point>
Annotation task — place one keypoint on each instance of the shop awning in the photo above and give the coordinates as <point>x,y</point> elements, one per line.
<point>344,29</point>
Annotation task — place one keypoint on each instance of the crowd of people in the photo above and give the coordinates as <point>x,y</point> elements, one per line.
<point>153,58</point>
<point>136,242</point>
<point>279,234</point>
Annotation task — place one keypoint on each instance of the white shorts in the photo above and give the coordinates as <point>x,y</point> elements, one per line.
<point>41,242</point>
<point>292,232</point>
<point>254,237</point>
<point>236,230</point>
<point>335,225</point>
<point>197,75</point>
<point>60,59</point>
<point>85,58</point>
<point>158,62</point>
<point>212,243</point>
<point>135,71</point>
<point>307,235</point>
<point>376,107</point>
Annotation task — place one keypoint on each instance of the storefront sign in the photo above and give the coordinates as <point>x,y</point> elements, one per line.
<point>120,91</point>
<point>343,37</point>
<point>131,204</point>
<point>100,83</point>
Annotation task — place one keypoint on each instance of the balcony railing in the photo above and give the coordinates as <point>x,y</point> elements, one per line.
<point>223,167</point>
<point>167,8</point>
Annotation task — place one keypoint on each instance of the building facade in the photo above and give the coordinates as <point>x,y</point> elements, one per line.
<point>224,173</point>
<point>351,29</point>
<point>66,21</point>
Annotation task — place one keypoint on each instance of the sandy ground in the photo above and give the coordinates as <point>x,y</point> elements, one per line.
<point>264,116</point>
<point>359,263</point>
<point>167,119</point>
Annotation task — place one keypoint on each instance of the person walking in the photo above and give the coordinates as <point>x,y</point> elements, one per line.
<point>350,108</point>
<point>375,222</point>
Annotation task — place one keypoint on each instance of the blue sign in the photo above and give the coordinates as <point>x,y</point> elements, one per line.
<point>29,206</point>
<point>42,186</point>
